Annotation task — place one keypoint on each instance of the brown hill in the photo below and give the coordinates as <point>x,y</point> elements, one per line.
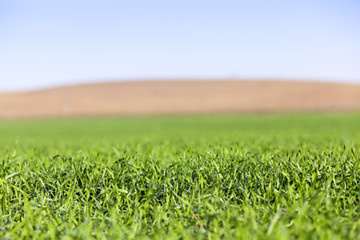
<point>180,97</point>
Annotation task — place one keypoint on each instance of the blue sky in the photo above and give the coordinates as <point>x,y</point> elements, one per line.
<point>55,42</point>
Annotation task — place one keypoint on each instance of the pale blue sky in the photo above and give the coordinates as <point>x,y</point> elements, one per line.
<point>54,42</point>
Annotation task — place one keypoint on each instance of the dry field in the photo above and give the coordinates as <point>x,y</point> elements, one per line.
<point>180,97</point>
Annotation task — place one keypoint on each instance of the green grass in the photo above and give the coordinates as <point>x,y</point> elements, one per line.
<point>205,177</point>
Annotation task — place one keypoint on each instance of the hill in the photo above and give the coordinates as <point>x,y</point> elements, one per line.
<point>180,97</point>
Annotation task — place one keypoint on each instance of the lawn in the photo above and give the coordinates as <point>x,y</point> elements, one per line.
<point>181,177</point>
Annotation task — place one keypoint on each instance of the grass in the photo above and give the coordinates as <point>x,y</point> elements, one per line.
<point>205,177</point>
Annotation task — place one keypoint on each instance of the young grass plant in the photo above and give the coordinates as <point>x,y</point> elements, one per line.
<point>269,177</point>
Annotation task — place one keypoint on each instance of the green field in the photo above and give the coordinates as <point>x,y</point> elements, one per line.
<point>204,177</point>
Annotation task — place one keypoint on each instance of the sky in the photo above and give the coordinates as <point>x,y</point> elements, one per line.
<point>46,43</point>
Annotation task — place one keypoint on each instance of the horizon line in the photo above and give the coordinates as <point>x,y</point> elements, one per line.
<point>177,79</point>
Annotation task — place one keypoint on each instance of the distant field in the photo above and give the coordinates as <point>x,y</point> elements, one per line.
<point>205,177</point>
<point>181,97</point>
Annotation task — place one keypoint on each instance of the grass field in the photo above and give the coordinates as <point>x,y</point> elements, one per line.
<point>204,177</point>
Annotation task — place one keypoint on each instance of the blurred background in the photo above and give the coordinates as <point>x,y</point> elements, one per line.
<point>87,58</point>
